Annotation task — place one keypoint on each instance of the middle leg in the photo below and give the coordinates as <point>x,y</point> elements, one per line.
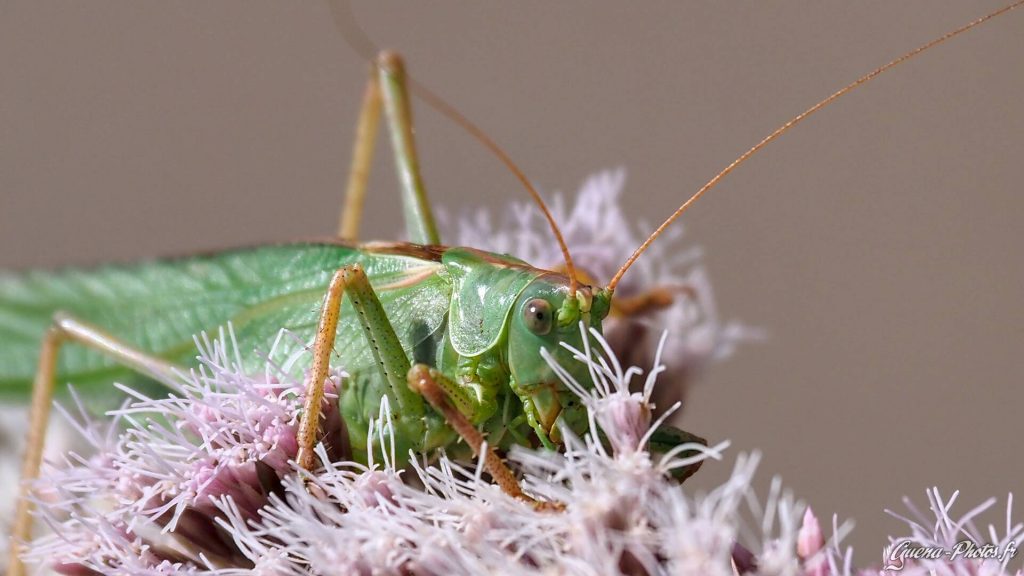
<point>384,344</point>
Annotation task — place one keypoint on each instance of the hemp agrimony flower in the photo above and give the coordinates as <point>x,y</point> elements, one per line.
<point>204,482</point>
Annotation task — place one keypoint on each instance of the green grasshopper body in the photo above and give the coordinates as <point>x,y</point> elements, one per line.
<point>463,311</point>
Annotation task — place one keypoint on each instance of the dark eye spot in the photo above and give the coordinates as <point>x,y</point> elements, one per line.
<point>537,316</point>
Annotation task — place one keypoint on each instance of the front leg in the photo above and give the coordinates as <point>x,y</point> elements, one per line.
<point>435,387</point>
<point>543,424</point>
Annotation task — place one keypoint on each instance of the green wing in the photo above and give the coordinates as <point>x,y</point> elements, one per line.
<point>158,306</point>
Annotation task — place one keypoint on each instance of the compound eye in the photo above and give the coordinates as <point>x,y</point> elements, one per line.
<point>537,316</point>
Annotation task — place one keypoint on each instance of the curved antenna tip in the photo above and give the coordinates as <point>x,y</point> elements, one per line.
<point>796,120</point>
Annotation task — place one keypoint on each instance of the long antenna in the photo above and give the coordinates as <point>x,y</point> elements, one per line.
<point>362,45</point>
<point>435,102</point>
<point>796,120</point>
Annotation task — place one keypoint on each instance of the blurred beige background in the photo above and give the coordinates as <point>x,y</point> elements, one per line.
<point>879,243</point>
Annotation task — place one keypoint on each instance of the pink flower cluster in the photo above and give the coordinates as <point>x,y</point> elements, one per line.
<point>153,487</point>
<point>204,483</point>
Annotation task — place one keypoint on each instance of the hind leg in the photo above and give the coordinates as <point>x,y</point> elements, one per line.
<point>64,329</point>
<point>387,88</point>
<point>362,158</point>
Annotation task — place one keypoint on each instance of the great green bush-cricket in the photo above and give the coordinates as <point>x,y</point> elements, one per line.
<point>460,326</point>
<point>450,335</point>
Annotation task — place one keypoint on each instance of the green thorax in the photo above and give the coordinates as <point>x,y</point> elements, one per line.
<point>503,313</point>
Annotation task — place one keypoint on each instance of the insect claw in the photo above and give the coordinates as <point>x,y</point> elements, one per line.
<point>546,506</point>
